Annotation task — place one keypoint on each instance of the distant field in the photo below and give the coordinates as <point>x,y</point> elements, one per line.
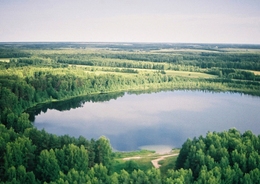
<point>189,74</point>
<point>238,50</point>
<point>211,50</point>
<point>102,70</point>
<point>182,50</point>
<point>4,60</point>
<point>256,72</point>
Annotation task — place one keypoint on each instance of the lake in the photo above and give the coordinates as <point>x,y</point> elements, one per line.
<point>160,119</point>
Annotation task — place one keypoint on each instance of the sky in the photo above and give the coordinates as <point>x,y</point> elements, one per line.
<point>170,21</point>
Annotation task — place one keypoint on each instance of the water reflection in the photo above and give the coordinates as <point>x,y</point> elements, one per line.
<point>71,104</point>
<point>165,118</point>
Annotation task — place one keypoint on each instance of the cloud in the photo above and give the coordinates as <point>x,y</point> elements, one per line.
<point>171,28</point>
<point>131,21</point>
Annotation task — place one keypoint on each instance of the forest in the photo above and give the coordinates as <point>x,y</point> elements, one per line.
<point>32,74</point>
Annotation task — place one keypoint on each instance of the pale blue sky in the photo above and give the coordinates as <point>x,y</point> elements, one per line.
<point>197,21</point>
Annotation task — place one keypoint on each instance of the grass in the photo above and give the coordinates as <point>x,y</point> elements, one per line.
<point>167,163</point>
<point>189,74</point>
<point>241,50</point>
<point>4,60</point>
<point>141,160</point>
<point>182,50</point>
<point>138,153</point>
<point>256,72</point>
<point>110,70</point>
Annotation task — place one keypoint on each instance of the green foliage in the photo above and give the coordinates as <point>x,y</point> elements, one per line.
<point>103,151</point>
<point>167,163</point>
<point>230,73</point>
<point>47,168</point>
<point>19,175</point>
<point>179,176</point>
<point>74,158</point>
<point>132,153</point>
<point>40,73</point>
<point>20,152</point>
<point>228,156</point>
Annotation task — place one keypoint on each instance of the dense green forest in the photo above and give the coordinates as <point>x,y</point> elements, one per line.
<point>35,73</point>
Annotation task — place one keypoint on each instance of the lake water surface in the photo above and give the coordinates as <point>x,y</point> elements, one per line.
<point>165,119</point>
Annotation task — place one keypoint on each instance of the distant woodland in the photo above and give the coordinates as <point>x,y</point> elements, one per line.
<point>37,73</point>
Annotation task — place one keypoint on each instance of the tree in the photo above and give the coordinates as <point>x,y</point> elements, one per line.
<point>100,172</point>
<point>124,177</point>
<point>139,177</point>
<point>114,178</point>
<point>154,176</point>
<point>130,166</point>
<point>255,175</point>
<point>91,151</point>
<point>75,157</point>
<point>20,152</point>
<point>179,176</point>
<point>48,168</point>
<point>228,174</point>
<point>184,152</point>
<point>103,151</point>
<point>23,122</point>
<point>212,176</point>
<point>20,175</point>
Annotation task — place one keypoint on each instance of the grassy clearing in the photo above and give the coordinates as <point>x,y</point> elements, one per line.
<point>256,72</point>
<point>99,71</point>
<point>138,153</point>
<point>253,71</point>
<point>129,161</point>
<point>4,60</point>
<point>110,70</point>
<point>142,160</point>
<point>238,50</point>
<point>167,163</point>
<point>189,74</point>
<point>182,50</point>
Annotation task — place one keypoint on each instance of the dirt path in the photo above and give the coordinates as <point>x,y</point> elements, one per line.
<point>131,158</point>
<point>155,161</point>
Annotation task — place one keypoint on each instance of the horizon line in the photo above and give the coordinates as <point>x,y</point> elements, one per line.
<point>126,42</point>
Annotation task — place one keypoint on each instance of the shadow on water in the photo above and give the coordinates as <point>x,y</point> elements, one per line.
<point>73,103</point>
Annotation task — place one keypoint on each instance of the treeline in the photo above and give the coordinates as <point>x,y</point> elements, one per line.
<point>226,157</point>
<point>75,53</point>
<point>225,60</point>
<point>38,157</point>
<point>32,61</point>
<point>23,87</point>
<point>176,60</point>
<point>12,52</point>
<point>203,60</point>
<point>29,155</point>
<point>140,60</point>
<point>153,57</point>
<point>33,156</point>
<point>112,63</point>
<point>230,73</point>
